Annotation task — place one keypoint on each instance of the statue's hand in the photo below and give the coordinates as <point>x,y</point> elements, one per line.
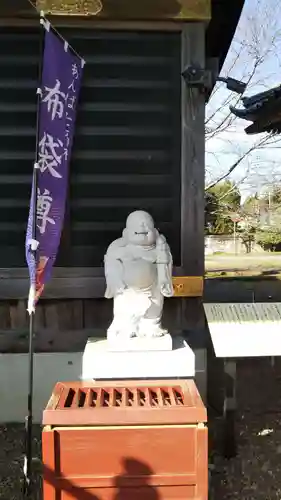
<point>113,289</point>
<point>109,293</point>
<point>167,290</point>
<point>120,287</point>
<point>161,240</point>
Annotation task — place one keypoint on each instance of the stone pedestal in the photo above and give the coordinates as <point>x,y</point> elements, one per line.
<point>164,343</point>
<point>144,359</point>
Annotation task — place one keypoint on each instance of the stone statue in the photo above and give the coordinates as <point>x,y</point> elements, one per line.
<point>138,271</point>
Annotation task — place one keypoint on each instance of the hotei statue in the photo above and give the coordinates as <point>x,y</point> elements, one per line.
<point>138,271</point>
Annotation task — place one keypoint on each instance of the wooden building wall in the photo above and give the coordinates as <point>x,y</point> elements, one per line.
<point>126,152</point>
<point>63,325</point>
<point>139,144</point>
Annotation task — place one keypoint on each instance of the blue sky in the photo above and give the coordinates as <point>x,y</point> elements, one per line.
<point>255,51</point>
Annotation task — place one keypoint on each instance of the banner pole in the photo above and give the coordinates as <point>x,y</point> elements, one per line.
<point>29,417</point>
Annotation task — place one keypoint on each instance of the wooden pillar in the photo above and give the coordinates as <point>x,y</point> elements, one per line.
<point>192,172</point>
<point>229,409</point>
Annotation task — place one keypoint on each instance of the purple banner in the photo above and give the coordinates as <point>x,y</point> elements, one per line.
<point>60,86</point>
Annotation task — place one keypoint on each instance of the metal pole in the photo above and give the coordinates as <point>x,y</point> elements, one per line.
<point>29,417</point>
<point>234,237</point>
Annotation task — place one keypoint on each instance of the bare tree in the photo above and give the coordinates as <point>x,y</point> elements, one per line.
<point>254,58</point>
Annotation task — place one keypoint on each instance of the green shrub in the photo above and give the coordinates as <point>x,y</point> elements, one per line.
<point>269,240</point>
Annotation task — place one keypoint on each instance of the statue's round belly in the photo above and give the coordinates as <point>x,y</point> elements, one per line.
<point>139,273</point>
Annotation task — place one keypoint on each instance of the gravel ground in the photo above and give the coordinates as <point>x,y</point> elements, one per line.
<point>11,461</point>
<point>255,474</point>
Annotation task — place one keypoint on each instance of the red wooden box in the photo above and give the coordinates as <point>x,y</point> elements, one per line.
<point>125,441</point>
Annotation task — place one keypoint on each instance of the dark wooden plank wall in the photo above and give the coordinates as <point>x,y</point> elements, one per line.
<point>126,151</point>
<point>76,312</point>
<point>64,325</point>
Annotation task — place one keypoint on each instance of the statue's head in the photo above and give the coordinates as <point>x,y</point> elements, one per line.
<point>140,229</point>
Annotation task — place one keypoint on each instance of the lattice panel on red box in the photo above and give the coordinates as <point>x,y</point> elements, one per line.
<point>102,398</point>
<point>93,404</point>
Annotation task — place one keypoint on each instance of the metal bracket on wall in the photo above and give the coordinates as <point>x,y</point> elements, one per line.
<point>197,77</point>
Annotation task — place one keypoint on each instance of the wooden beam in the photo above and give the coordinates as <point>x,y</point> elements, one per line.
<point>80,283</point>
<point>193,157</point>
<point>193,174</point>
<point>185,10</point>
<point>48,340</point>
<point>65,286</point>
<point>229,443</point>
<point>97,24</point>
<point>76,283</point>
<point>65,325</point>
